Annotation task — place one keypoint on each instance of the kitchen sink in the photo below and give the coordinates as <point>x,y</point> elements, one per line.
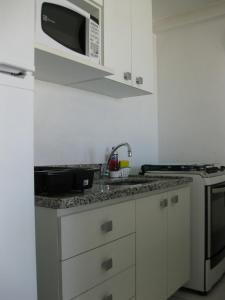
<point>130,181</point>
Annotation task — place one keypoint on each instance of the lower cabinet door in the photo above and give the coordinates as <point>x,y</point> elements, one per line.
<point>87,270</point>
<point>120,287</point>
<point>178,239</point>
<point>151,248</point>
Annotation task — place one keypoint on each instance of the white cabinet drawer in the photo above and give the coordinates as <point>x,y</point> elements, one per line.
<point>85,271</point>
<point>85,231</point>
<point>120,287</point>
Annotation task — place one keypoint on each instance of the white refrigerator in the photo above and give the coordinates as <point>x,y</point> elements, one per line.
<point>17,229</point>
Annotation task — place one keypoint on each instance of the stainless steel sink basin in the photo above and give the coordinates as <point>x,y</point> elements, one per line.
<point>130,181</point>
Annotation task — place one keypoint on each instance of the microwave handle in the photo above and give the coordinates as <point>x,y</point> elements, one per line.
<point>9,69</point>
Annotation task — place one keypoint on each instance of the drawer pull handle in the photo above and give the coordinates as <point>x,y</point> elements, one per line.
<point>127,76</point>
<point>107,227</point>
<point>139,80</point>
<point>164,203</point>
<point>109,297</point>
<point>107,264</point>
<point>175,199</point>
<point>12,70</point>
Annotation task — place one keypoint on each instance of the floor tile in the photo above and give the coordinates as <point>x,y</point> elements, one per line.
<point>218,293</point>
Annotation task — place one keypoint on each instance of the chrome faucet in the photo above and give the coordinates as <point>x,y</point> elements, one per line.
<point>129,153</point>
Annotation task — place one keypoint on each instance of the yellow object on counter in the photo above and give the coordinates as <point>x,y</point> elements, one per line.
<point>124,164</point>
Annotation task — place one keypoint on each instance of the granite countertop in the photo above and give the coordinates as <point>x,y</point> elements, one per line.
<point>107,189</point>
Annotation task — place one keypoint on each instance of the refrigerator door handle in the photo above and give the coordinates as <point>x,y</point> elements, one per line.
<point>12,70</point>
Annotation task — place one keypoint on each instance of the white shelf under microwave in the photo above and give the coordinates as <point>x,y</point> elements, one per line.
<point>57,67</point>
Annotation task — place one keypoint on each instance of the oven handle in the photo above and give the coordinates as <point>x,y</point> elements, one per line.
<point>218,190</point>
<point>208,223</point>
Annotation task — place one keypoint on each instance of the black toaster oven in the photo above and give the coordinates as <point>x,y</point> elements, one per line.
<point>60,180</point>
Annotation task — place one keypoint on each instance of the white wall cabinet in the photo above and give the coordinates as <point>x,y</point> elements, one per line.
<point>162,244</point>
<point>142,45</point>
<point>128,50</point>
<point>128,42</point>
<point>17,34</point>
<point>117,39</point>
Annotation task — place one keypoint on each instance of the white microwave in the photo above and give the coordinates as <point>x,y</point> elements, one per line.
<point>63,26</point>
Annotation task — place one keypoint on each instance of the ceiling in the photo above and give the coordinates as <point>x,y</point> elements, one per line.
<point>168,8</point>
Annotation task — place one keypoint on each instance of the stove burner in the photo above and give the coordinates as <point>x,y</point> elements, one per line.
<point>210,168</point>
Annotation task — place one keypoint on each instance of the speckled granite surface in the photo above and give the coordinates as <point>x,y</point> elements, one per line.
<point>107,189</point>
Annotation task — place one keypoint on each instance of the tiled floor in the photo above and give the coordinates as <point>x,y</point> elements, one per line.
<point>218,293</point>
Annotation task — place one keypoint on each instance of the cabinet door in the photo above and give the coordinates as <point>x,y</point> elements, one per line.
<point>142,44</point>
<point>151,248</point>
<point>117,38</point>
<point>17,33</point>
<point>178,239</point>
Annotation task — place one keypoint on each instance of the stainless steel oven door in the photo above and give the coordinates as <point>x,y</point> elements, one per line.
<point>215,219</point>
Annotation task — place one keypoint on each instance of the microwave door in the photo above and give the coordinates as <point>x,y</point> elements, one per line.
<point>65,26</point>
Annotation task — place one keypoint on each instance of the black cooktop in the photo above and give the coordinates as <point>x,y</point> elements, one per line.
<point>208,168</point>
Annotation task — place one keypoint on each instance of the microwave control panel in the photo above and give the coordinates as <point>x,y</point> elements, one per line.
<point>95,41</point>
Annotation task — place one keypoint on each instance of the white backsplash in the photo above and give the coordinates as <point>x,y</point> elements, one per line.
<point>76,127</point>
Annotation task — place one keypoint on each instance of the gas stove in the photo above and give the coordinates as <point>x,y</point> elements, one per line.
<point>205,170</point>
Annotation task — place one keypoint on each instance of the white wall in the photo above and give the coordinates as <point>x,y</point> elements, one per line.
<point>74,126</point>
<point>163,9</point>
<point>191,80</point>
